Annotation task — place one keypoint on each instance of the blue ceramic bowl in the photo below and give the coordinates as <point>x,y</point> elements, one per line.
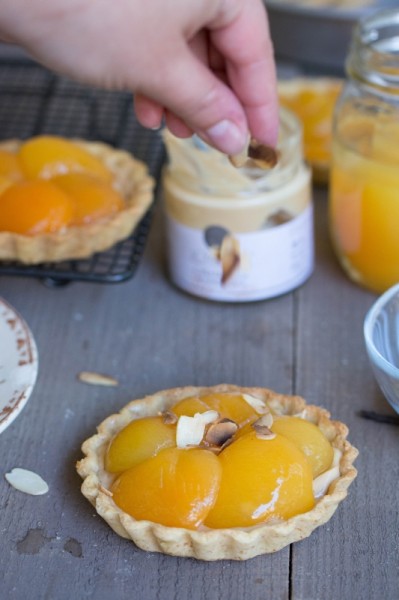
<point>381,334</point>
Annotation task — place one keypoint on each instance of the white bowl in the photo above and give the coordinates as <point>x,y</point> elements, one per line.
<point>381,334</point>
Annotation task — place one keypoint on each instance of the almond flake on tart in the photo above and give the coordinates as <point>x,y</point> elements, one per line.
<point>128,179</point>
<point>228,431</point>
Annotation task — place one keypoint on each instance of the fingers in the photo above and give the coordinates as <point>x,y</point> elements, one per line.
<point>202,101</point>
<point>177,126</point>
<point>221,83</point>
<point>148,112</point>
<point>245,44</point>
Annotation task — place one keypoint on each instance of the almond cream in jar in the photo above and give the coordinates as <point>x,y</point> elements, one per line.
<point>238,234</point>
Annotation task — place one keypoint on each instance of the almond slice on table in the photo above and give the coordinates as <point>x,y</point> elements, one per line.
<point>93,378</point>
<point>27,482</point>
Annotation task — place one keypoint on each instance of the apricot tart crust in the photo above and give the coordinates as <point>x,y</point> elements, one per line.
<point>67,199</point>
<point>221,472</point>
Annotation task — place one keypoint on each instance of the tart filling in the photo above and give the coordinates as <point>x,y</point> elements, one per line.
<point>220,472</point>
<point>67,199</point>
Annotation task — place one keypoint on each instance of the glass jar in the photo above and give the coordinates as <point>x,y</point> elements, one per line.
<point>238,234</point>
<point>364,184</point>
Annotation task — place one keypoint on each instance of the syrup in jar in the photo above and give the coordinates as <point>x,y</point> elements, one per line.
<point>364,184</point>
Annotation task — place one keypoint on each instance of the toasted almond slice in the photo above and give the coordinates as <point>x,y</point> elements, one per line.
<point>257,154</point>
<point>323,481</point>
<point>93,378</point>
<point>229,254</point>
<point>265,420</point>
<point>301,415</point>
<point>263,156</point>
<point>27,482</point>
<point>257,404</point>
<point>190,430</point>
<point>105,491</point>
<point>169,418</point>
<point>219,432</point>
<point>239,160</point>
<point>264,433</point>
<point>261,428</point>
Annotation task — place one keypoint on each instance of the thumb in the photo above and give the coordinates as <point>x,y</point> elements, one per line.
<point>191,91</point>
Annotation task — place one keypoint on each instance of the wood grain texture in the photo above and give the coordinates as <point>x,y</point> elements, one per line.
<point>150,336</point>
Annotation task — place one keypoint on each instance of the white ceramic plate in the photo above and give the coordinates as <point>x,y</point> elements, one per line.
<point>18,364</point>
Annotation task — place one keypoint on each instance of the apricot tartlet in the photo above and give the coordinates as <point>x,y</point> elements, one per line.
<point>220,472</point>
<point>67,199</point>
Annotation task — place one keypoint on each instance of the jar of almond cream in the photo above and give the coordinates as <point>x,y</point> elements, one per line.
<point>238,234</point>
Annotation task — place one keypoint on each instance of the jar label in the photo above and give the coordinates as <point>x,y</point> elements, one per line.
<point>219,265</point>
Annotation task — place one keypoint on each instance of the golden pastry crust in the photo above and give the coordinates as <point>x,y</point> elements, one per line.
<point>131,180</point>
<point>216,544</point>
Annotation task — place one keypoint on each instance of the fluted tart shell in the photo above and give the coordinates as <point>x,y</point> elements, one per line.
<point>212,544</point>
<point>130,179</point>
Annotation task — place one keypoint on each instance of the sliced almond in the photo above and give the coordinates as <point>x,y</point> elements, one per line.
<point>190,430</point>
<point>105,491</point>
<point>256,154</point>
<point>263,156</point>
<point>301,415</point>
<point>323,481</point>
<point>239,160</point>
<point>257,404</point>
<point>220,432</point>
<point>229,254</point>
<point>169,418</point>
<point>27,482</point>
<point>265,420</point>
<point>262,428</point>
<point>93,378</point>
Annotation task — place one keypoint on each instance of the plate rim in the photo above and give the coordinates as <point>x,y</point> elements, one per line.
<point>9,413</point>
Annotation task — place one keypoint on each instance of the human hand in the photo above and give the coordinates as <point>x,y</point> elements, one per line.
<point>206,66</point>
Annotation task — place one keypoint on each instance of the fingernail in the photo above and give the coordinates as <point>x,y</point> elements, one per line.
<point>226,136</point>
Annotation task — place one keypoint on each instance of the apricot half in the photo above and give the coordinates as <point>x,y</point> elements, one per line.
<point>261,479</point>
<point>46,156</point>
<point>93,199</point>
<point>138,441</point>
<point>176,487</point>
<point>10,166</point>
<point>231,406</point>
<point>33,207</point>
<point>309,439</point>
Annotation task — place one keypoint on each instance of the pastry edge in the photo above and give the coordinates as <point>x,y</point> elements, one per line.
<point>132,181</point>
<point>232,543</point>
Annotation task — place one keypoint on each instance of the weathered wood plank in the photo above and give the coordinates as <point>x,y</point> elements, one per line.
<point>149,336</point>
<point>355,554</point>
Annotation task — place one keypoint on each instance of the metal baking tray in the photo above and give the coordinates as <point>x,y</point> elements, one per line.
<point>316,38</point>
<point>34,101</point>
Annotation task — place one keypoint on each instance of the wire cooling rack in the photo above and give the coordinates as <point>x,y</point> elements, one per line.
<point>34,101</point>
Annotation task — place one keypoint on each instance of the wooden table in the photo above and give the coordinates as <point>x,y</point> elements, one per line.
<point>151,336</point>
